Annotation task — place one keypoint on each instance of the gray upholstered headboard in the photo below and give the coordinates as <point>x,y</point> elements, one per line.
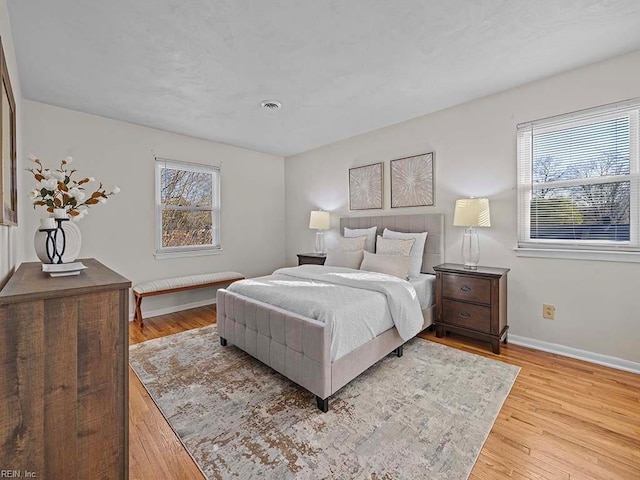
<point>428,222</point>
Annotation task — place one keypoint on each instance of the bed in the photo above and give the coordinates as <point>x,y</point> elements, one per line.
<point>303,348</point>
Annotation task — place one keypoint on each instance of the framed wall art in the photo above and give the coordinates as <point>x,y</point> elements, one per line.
<point>8,167</point>
<point>366,187</point>
<point>412,181</point>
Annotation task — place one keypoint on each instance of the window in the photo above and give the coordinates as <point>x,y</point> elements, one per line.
<point>187,208</point>
<point>578,181</point>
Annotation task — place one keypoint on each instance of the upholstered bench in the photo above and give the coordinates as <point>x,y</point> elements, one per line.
<point>179,284</point>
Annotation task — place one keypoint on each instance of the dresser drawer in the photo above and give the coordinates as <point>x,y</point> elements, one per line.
<point>475,317</point>
<point>463,287</point>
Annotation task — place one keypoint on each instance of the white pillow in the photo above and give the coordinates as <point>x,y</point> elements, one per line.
<point>396,265</point>
<point>417,251</point>
<point>370,233</point>
<point>340,258</point>
<point>351,244</point>
<point>393,246</point>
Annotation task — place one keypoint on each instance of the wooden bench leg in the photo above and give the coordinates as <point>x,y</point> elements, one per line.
<point>138,313</point>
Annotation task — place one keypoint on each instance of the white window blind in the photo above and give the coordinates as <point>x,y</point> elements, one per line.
<point>187,207</point>
<point>579,180</point>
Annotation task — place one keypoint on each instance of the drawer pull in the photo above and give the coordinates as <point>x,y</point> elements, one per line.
<point>465,288</point>
<point>464,314</point>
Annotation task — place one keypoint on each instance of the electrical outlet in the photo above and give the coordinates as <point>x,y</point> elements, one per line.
<point>548,311</point>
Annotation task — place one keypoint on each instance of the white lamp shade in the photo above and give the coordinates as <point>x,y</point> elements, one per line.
<point>472,212</point>
<point>320,220</point>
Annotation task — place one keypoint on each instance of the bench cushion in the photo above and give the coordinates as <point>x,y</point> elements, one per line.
<point>189,281</point>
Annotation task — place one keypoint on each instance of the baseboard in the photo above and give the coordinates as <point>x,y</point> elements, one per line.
<point>597,358</point>
<point>174,308</point>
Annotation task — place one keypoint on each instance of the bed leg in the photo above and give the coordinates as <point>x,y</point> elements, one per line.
<point>323,404</point>
<point>223,342</point>
<point>399,351</point>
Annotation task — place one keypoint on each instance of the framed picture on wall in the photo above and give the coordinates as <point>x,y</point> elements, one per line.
<point>412,181</point>
<point>366,187</point>
<point>8,170</point>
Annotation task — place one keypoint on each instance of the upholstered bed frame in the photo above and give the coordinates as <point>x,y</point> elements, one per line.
<point>299,347</point>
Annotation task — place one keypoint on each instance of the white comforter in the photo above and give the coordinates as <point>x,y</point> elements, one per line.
<point>358,305</point>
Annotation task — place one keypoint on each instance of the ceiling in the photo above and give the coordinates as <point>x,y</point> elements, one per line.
<point>339,67</point>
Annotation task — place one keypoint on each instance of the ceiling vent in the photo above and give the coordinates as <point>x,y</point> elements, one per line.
<point>271,104</point>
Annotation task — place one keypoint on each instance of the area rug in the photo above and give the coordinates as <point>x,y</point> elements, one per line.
<point>425,415</point>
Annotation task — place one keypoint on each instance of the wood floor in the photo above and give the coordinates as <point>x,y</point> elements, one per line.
<point>564,419</point>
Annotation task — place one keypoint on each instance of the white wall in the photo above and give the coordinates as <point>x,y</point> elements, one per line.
<point>121,233</point>
<point>11,238</point>
<point>597,303</point>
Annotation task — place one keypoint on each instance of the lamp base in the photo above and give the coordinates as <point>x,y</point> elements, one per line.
<point>470,249</point>
<point>320,241</point>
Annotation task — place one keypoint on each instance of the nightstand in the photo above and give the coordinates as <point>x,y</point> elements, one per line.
<point>472,302</point>
<point>311,258</point>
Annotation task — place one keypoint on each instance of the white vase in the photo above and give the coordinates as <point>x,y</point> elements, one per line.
<point>73,243</point>
<point>60,213</point>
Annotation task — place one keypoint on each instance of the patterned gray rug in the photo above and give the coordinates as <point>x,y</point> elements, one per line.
<point>425,415</point>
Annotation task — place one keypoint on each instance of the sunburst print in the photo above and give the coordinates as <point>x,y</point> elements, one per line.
<point>412,181</point>
<point>365,187</point>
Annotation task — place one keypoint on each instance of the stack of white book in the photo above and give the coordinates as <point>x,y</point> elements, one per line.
<point>63,269</point>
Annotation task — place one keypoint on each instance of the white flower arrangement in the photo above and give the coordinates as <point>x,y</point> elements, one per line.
<point>57,189</point>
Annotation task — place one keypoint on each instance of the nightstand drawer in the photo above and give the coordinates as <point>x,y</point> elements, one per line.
<point>464,287</point>
<point>310,261</point>
<point>475,317</point>
<point>311,258</point>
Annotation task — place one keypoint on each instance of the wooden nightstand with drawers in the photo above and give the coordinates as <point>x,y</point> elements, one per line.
<point>311,258</point>
<point>472,302</point>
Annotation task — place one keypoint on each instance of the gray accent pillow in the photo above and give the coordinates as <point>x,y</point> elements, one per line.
<point>417,251</point>
<point>388,246</point>
<point>370,233</point>
<point>351,244</point>
<point>396,265</point>
<point>340,258</point>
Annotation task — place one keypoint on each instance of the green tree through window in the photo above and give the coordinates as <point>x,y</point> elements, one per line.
<point>578,179</point>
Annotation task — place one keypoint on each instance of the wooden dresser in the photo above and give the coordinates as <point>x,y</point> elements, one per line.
<point>63,374</point>
<point>472,302</point>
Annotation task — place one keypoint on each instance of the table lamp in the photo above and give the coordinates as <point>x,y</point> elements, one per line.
<point>470,213</point>
<point>320,220</point>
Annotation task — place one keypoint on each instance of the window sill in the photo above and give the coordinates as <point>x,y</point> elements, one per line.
<point>187,253</point>
<point>596,255</point>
